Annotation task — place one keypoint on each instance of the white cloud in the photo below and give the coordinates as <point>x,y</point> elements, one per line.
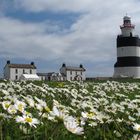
<point>97,6</point>
<point>54,5</point>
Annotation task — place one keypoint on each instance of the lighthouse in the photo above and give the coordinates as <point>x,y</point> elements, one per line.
<point>128,51</point>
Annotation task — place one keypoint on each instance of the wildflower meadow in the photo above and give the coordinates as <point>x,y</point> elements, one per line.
<point>70,111</point>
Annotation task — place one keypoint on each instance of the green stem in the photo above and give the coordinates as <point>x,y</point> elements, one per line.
<point>1,134</point>
<point>119,129</point>
<point>104,131</point>
<point>45,131</point>
<point>55,129</point>
<point>138,137</point>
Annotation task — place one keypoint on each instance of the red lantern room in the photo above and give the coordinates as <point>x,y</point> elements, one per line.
<point>127,28</point>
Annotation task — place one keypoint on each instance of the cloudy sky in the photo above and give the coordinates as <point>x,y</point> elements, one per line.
<point>51,32</point>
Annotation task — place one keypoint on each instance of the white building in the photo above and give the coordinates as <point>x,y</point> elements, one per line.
<point>30,77</point>
<point>42,76</point>
<point>128,51</point>
<point>15,71</point>
<point>73,73</point>
<point>51,76</point>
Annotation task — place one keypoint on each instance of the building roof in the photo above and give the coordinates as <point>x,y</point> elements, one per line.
<point>50,73</point>
<point>46,74</point>
<point>42,74</point>
<point>30,76</point>
<point>26,66</point>
<point>74,68</point>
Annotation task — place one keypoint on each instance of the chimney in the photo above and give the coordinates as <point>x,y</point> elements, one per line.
<point>8,62</point>
<point>81,66</point>
<point>32,63</point>
<point>63,65</point>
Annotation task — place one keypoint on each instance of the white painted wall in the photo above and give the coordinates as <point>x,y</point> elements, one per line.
<point>128,51</point>
<point>70,74</point>
<point>43,78</point>
<point>10,73</point>
<point>126,31</point>
<point>127,71</point>
<point>20,72</point>
<point>83,75</point>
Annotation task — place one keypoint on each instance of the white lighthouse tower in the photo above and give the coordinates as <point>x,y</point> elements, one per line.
<point>128,52</point>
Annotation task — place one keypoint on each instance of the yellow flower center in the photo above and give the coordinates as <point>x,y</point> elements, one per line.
<point>20,107</point>
<point>139,129</point>
<point>7,105</point>
<point>90,115</point>
<point>13,111</point>
<point>47,109</point>
<point>29,120</point>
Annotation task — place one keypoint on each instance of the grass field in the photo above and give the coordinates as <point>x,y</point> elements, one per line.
<point>99,110</point>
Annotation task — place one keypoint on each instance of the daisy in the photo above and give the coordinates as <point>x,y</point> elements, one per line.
<point>27,119</point>
<point>6,104</point>
<point>19,105</point>
<point>136,127</point>
<point>72,125</point>
<point>12,110</point>
<point>61,114</point>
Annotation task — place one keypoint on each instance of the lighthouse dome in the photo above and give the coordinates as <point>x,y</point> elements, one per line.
<point>126,18</point>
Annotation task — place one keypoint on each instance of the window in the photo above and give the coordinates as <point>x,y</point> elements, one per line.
<point>23,71</point>
<point>76,73</point>
<point>16,77</point>
<point>81,72</point>
<point>30,71</point>
<point>70,72</point>
<point>16,71</point>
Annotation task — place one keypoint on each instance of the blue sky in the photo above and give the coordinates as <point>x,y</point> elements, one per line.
<point>51,32</point>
